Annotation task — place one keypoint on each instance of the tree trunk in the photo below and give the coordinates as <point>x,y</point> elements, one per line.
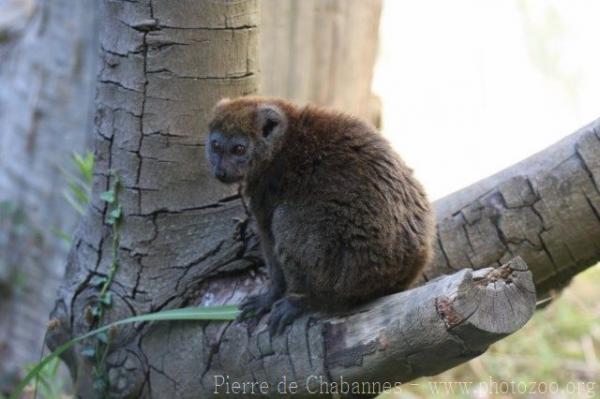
<point>321,52</point>
<point>47,79</point>
<point>184,239</point>
<point>163,67</point>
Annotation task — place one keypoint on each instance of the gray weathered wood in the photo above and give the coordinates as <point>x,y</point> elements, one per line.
<point>545,209</point>
<point>390,341</point>
<point>431,328</point>
<point>163,66</point>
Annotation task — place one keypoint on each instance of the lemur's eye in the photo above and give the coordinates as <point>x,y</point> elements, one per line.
<point>238,150</point>
<point>216,146</point>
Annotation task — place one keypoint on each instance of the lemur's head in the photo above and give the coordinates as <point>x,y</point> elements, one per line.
<point>243,133</point>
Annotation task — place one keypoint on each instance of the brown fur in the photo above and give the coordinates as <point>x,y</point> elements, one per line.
<point>337,209</point>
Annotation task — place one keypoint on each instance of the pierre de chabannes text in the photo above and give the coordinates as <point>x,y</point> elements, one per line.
<point>314,384</point>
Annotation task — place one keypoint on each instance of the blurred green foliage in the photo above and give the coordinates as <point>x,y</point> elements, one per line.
<point>14,227</point>
<point>80,181</point>
<point>50,384</point>
<point>79,186</point>
<point>544,32</point>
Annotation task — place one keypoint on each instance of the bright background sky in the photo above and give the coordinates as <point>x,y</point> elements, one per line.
<point>470,87</point>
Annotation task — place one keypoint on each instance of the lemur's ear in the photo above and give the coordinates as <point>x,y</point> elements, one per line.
<point>271,121</point>
<point>222,102</point>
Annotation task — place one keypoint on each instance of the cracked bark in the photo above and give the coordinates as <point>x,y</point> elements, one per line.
<point>544,209</point>
<point>185,239</point>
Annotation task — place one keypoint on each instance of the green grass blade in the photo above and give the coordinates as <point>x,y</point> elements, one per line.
<point>74,203</point>
<point>229,312</point>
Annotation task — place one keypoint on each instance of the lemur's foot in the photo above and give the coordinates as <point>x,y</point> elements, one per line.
<point>285,311</point>
<point>256,306</point>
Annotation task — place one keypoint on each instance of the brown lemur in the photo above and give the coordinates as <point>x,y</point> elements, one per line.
<point>340,217</point>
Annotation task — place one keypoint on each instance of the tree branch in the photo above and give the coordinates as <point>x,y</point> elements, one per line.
<point>545,209</point>
<point>395,339</point>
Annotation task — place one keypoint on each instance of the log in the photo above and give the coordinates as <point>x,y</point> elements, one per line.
<point>380,345</point>
<point>545,209</point>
